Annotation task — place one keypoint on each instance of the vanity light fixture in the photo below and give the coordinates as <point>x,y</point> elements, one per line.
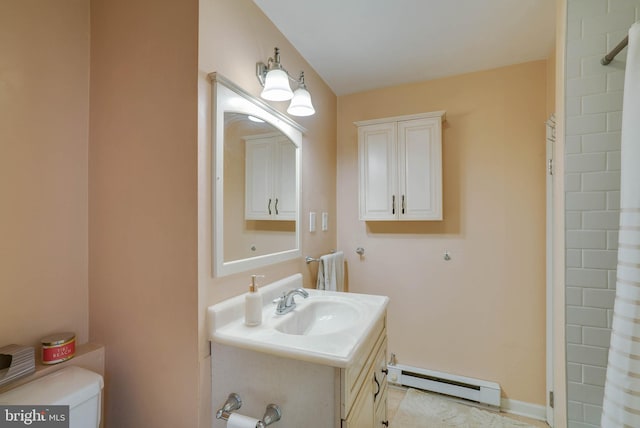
<point>275,81</point>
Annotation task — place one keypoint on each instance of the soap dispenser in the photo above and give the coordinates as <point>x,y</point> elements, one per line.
<point>253,304</point>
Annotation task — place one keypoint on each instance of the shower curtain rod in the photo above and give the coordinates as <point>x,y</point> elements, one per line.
<point>615,51</point>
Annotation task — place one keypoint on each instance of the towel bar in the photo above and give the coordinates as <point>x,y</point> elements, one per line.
<point>615,51</point>
<point>310,259</point>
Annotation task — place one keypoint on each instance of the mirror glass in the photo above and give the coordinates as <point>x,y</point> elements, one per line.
<point>259,186</point>
<point>256,172</point>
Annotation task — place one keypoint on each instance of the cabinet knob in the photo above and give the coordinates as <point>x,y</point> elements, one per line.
<point>385,423</point>
<point>385,371</point>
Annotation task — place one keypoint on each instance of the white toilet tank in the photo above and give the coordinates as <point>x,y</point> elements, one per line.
<point>76,387</point>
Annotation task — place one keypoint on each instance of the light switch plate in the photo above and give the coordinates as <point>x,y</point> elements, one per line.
<point>312,221</point>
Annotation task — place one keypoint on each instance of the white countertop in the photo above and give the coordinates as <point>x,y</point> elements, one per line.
<point>337,348</point>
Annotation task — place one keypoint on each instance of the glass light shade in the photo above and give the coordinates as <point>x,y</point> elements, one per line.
<point>276,86</point>
<point>255,119</point>
<point>301,103</point>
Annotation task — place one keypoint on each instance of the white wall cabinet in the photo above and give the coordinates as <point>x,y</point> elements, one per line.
<point>270,178</point>
<point>400,167</point>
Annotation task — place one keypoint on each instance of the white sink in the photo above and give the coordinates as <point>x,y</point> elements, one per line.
<point>326,328</point>
<point>321,315</point>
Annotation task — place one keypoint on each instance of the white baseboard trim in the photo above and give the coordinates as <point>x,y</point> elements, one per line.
<point>520,408</point>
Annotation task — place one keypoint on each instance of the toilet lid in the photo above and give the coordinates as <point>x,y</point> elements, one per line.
<point>69,386</point>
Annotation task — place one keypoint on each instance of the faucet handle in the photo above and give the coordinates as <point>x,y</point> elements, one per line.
<point>280,301</point>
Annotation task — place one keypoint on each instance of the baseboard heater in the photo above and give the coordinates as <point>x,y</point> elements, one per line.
<point>477,390</point>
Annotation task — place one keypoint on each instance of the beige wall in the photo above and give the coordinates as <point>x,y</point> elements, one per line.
<point>44,106</point>
<point>234,35</point>
<point>482,314</point>
<point>143,231</point>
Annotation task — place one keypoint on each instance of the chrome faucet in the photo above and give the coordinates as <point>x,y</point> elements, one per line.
<point>286,303</point>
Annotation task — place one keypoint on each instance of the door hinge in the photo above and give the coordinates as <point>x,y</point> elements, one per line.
<point>550,166</point>
<point>551,399</point>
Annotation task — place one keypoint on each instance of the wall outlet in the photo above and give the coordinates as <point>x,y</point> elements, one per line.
<point>325,222</point>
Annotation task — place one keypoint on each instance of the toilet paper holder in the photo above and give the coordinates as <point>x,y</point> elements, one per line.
<point>234,402</point>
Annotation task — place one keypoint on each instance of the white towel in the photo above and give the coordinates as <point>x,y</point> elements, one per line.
<point>331,272</point>
<point>621,405</point>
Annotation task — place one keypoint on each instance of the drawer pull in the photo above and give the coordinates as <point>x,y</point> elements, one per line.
<point>378,385</point>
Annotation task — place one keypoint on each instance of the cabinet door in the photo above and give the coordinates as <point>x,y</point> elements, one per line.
<point>285,202</point>
<point>361,414</point>
<point>259,203</point>
<point>420,169</point>
<point>377,153</point>
<point>380,419</point>
<point>380,387</point>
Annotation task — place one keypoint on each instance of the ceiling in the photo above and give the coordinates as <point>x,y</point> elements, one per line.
<point>358,45</point>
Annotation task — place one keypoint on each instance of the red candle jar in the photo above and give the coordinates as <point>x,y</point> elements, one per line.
<point>58,347</point>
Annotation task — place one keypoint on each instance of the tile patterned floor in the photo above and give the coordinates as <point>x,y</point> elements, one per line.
<point>396,394</point>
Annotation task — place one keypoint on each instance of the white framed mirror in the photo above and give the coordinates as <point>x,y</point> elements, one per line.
<point>256,181</point>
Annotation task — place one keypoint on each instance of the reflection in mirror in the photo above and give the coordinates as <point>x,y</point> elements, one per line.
<point>256,181</point>
<point>259,188</point>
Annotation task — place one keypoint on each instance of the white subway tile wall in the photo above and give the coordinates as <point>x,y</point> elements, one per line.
<point>592,194</point>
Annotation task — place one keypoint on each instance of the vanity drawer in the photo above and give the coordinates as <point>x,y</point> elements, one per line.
<point>353,377</point>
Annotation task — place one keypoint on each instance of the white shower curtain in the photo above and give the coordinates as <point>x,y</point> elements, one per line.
<point>621,407</point>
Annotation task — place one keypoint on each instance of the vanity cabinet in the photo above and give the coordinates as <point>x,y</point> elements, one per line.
<point>400,167</point>
<point>362,413</point>
<point>365,400</point>
<point>310,395</point>
<point>380,393</point>
<point>270,178</point>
